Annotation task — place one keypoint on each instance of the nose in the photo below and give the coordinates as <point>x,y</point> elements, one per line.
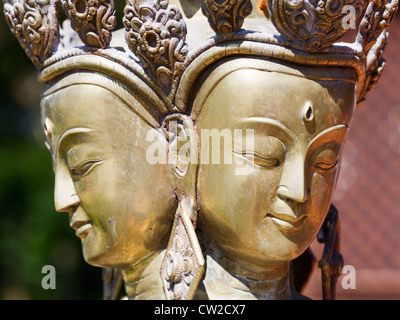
<point>65,196</point>
<point>292,185</point>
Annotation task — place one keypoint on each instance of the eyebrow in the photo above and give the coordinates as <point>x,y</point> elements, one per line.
<point>273,123</point>
<point>289,133</point>
<point>69,134</point>
<point>327,131</point>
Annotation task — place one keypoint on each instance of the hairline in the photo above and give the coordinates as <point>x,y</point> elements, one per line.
<point>135,103</point>
<point>227,67</point>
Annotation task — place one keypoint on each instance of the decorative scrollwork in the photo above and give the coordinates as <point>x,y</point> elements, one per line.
<point>226,16</point>
<point>94,20</point>
<point>372,37</point>
<point>180,265</point>
<point>375,63</point>
<point>313,25</point>
<point>377,19</point>
<point>156,32</point>
<point>183,263</point>
<point>35,25</point>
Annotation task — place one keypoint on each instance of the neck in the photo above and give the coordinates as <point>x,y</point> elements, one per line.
<point>226,278</point>
<point>143,281</point>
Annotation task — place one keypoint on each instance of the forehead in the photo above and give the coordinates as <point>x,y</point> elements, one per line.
<point>76,103</point>
<point>87,106</point>
<point>251,93</point>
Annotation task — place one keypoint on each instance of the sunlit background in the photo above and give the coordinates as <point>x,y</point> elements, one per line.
<point>33,235</point>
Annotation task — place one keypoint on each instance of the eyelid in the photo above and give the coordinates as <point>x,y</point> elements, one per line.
<point>84,168</point>
<point>266,162</point>
<point>325,165</point>
<point>258,159</point>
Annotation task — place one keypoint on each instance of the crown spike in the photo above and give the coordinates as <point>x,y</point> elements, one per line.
<point>156,33</point>
<point>36,27</point>
<point>372,37</point>
<point>226,16</point>
<point>312,25</point>
<point>377,18</point>
<point>93,20</point>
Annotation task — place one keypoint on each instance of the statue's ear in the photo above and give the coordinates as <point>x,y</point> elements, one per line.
<point>183,264</point>
<point>182,152</point>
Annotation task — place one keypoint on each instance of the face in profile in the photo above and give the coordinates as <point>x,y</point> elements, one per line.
<point>120,206</point>
<point>272,214</point>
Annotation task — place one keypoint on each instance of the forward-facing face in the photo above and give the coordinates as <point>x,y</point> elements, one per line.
<point>271,212</point>
<point>119,205</point>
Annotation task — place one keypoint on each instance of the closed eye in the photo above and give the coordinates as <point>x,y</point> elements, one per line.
<point>265,162</point>
<point>325,165</point>
<point>84,168</point>
<point>260,160</point>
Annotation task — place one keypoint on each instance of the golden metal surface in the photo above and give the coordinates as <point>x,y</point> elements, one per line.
<point>131,116</point>
<point>260,221</point>
<point>120,206</point>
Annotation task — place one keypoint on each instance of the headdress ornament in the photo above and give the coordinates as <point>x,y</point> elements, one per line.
<point>305,32</point>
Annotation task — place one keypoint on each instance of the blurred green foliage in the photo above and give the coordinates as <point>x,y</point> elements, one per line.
<point>32,234</point>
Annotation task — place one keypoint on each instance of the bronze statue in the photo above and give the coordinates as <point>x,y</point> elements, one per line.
<point>292,167</point>
<point>125,115</point>
<point>99,119</point>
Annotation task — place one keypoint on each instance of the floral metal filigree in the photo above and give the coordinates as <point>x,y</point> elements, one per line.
<point>226,16</point>
<point>179,270</point>
<point>35,25</point>
<point>156,32</point>
<point>313,25</point>
<point>372,37</point>
<point>377,19</point>
<point>183,264</point>
<point>94,20</point>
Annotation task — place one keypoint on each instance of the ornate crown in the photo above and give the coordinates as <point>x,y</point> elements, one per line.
<point>158,56</point>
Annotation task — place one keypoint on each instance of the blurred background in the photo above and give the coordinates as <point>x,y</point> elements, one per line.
<point>33,235</point>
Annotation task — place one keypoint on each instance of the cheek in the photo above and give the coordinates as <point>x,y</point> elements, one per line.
<point>237,201</point>
<point>321,190</point>
<point>99,195</point>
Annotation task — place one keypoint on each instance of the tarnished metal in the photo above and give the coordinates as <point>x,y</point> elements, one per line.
<point>331,263</point>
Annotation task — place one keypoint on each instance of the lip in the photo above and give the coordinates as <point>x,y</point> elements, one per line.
<point>81,228</point>
<point>286,222</point>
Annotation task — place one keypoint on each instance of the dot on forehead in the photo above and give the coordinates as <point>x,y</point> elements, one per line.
<point>308,112</point>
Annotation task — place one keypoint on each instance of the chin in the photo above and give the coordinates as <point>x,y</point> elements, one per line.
<point>110,258</point>
<point>288,251</point>
<point>97,253</point>
<point>96,259</point>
